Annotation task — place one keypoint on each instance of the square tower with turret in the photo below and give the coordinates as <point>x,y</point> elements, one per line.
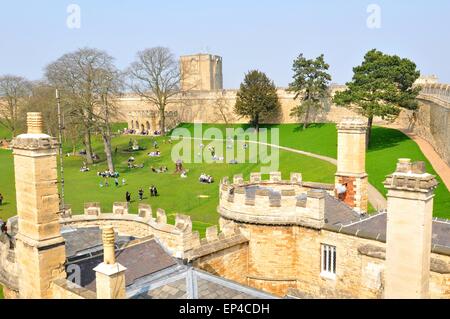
<point>201,72</point>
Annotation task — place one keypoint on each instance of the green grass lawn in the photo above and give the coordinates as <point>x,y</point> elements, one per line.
<point>188,196</point>
<point>386,147</point>
<point>177,195</point>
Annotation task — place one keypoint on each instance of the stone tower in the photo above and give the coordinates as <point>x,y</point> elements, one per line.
<point>351,166</point>
<point>40,246</point>
<point>409,229</point>
<point>201,72</point>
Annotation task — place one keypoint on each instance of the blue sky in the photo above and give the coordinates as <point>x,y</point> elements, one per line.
<point>266,35</point>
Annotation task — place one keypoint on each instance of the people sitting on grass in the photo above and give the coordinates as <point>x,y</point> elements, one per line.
<point>157,133</point>
<point>184,174</point>
<point>128,197</point>
<point>206,179</point>
<point>153,191</point>
<point>135,146</point>
<point>162,169</point>
<point>131,165</point>
<point>84,169</point>
<point>154,154</point>
<point>233,162</point>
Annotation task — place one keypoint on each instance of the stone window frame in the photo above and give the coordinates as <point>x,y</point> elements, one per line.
<point>328,261</point>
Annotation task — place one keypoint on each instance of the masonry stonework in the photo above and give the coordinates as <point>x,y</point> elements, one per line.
<point>351,168</point>
<point>40,246</point>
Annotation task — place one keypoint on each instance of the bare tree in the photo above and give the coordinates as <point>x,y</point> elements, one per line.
<point>42,99</point>
<point>223,110</point>
<point>86,78</point>
<point>155,76</point>
<point>111,85</point>
<point>14,93</point>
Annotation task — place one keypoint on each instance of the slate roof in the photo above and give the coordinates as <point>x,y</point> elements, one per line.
<point>340,218</point>
<point>152,273</point>
<point>83,241</point>
<point>337,212</point>
<point>141,259</point>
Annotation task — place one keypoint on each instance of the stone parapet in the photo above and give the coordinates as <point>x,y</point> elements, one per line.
<point>64,289</point>
<point>352,124</point>
<point>411,176</point>
<point>179,238</point>
<point>437,265</point>
<point>272,202</point>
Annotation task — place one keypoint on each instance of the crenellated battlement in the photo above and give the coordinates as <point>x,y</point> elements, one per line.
<point>274,201</point>
<point>179,238</point>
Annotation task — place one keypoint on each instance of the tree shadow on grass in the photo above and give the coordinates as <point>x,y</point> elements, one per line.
<point>299,128</point>
<point>383,138</point>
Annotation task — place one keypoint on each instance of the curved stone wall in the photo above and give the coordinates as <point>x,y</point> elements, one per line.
<point>178,238</point>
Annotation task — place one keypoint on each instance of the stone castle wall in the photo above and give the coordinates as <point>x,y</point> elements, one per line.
<point>217,107</point>
<point>292,260</point>
<point>284,251</point>
<point>272,258</point>
<point>432,120</point>
<point>177,238</point>
<point>230,263</point>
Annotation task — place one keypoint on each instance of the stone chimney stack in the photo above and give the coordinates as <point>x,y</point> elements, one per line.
<point>315,203</point>
<point>40,246</point>
<point>110,275</point>
<point>409,229</point>
<point>351,166</point>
